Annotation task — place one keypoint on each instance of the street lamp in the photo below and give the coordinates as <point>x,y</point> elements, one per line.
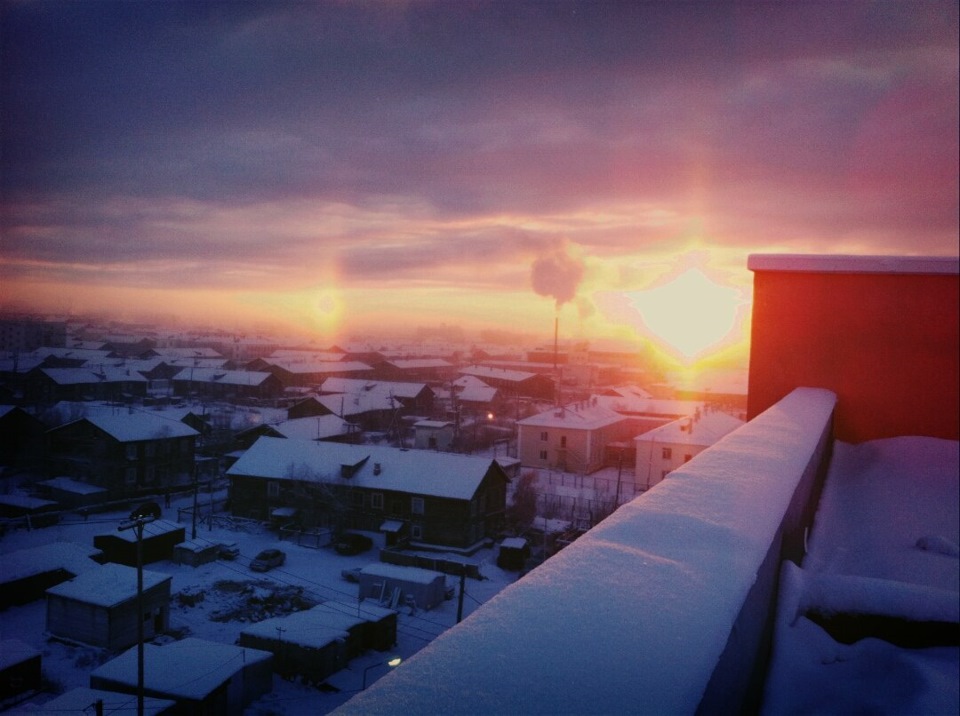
<point>391,663</point>
<point>136,522</point>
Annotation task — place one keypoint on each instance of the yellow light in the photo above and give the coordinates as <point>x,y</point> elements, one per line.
<point>690,314</point>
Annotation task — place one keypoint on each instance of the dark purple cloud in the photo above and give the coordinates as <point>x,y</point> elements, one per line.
<point>128,129</point>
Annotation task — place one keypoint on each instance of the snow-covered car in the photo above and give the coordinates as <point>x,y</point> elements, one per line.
<point>268,559</point>
<point>351,575</point>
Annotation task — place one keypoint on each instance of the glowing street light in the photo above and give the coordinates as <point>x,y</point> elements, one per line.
<point>391,663</point>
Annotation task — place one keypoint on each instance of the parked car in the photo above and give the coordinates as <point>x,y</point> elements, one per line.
<point>229,550</point>
<point>352,543</point>
<point>268,559</point>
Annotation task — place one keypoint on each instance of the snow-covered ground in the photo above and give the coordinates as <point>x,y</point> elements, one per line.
<point>884,543</point>
<point>230,585</point>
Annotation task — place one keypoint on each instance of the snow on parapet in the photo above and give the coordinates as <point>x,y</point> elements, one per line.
<point>633,616</point>
<point>810,263</point>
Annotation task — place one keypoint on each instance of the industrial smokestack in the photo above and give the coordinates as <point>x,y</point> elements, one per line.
<point>556,331</point>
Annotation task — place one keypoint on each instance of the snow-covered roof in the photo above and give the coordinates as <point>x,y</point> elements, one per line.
<point>471,389</point>
<point>576,416</point>
<point>150,529</point>
<point>68,556</point>
<point>321,366</point>
<point>26,502</point>
<point>68,484</point>
<point>860,531</point>
<point>313,428</point>
<point>503,374</point>
<point>423,472</point>
<point>243,378</point>
<point>108,585</point>
<point>81,700</point>
<point>173,667</point>
<point>414,363</point>
<point>702,429</point>
<point>357,403</point>
<point>398,389</point>
<point>93,375</point>
<point>305,628</point>
<point>134,426</point>
<point>838,263</point>
<point>407,574</point>
<point>647,407</point>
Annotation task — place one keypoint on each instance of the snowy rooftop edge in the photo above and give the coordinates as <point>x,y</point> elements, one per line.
<point>826,263</point>
<point>692,546</point>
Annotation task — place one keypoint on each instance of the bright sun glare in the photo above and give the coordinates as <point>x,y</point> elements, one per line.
<point>690,314</point>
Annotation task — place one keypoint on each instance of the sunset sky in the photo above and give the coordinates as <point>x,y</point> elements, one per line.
<point>341,166</point>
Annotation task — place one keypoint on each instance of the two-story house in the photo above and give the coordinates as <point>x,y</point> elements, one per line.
<point>570,438</point>
<point>126,453</point>
<point>434,498</point>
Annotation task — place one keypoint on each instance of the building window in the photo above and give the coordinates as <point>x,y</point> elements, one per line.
<point>666,453</point>
<point>416,505</point>
<point>544,436</point>
<point>131,451</point>
<point>416,531</point>
<point>563,441</point>
<point>273,489</point>
<point>376,500</point>
<point>543,454</point>
<point>130,475</point>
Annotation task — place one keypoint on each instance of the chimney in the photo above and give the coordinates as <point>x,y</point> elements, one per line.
<point>376,468</point>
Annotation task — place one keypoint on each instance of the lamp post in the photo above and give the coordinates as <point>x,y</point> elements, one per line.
<point>136,523</point>
<point>391,663</point>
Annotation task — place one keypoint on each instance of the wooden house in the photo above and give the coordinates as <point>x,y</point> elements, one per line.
<point>26,574</point>
<point>126,452</point>
<point>441,498</point>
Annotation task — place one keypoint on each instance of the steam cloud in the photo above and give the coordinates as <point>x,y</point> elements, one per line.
<point>557,273</point>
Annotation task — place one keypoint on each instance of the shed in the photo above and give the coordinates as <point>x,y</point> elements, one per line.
<point>196,552</point>
<point>379,629</point>
<point>395,585</point>
<point>231,677</point>
<point>159,539</point>
<point>301,643</point>
<point>19,671</point>
<point>99,607</point>
<point>26,574</point>
<point>78,702</point>
<point>514,553</point>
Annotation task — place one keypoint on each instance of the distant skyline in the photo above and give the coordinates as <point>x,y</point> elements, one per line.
<point>337,167</point>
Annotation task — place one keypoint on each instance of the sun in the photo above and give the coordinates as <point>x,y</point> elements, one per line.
<point>690,315</point>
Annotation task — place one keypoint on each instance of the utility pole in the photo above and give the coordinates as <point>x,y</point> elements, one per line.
<point>463,580</point>
<point>136,523</point>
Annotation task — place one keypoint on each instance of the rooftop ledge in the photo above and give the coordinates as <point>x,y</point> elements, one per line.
<point>832,263</point>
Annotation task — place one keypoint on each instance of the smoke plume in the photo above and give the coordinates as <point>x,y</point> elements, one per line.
<point>558,273</point>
